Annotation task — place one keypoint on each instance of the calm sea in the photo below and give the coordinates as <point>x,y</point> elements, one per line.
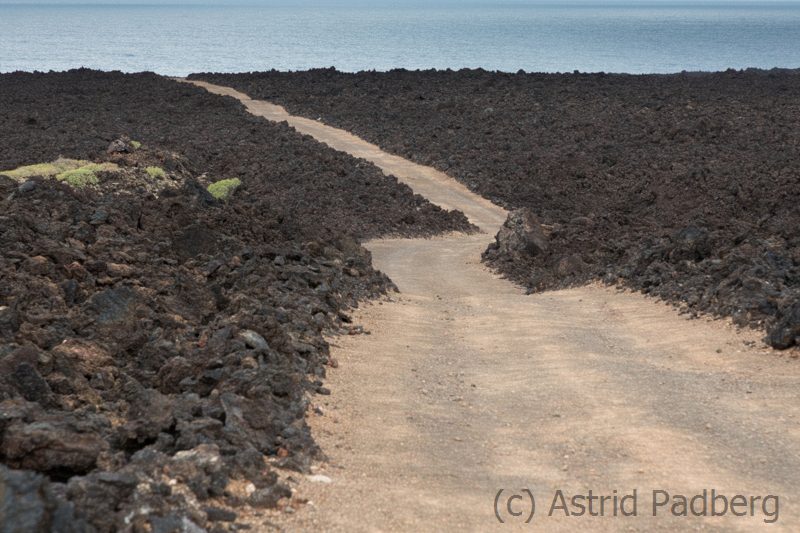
<point>631,37</point>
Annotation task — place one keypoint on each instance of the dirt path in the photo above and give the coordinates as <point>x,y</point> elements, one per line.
<point>465,386</point>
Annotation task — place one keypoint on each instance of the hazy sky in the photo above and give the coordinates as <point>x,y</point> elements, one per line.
<point>390,2</point>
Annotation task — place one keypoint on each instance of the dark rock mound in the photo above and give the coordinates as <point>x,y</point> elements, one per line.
<point>786,332</point>
<point>28,502</point>
<point>521,234</point>
<point>159,348</point>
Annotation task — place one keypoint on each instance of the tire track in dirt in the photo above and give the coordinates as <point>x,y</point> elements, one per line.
<point>466,386</point>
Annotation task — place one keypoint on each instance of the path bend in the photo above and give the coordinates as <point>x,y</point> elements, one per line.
<point>466,386</point>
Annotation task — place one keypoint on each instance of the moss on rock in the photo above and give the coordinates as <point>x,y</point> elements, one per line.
<point>223,189</point>
<point>155,172</point>
<point>44,169</point>
<point>79,177</point>
<point>77,173</point>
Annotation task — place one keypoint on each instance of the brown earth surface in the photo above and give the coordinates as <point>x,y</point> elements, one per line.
<point>465,386</point>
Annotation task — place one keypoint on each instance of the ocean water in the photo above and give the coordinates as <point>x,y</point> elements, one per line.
<point>636,37</point>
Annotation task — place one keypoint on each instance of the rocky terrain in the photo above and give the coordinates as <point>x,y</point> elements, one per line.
<point>169,265</point>
<point>682,186</point>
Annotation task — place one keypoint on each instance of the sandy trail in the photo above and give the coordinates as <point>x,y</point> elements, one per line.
<point>466,386</point>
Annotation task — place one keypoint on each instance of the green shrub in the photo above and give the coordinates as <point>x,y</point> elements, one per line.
<point>136,145</point>
<point>155,172</point>
<point>44,169</point>
<point>223,189</point>
<point>60,168</point>
<point>76,172</point>
<point>79,177</point>
<point>85,175</point>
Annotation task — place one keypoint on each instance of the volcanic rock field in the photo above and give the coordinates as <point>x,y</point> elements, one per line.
<point>171,265</point>
<point>159,343</point>
<point>682,186</point>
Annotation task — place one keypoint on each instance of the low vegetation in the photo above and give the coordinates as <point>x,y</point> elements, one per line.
<point>77,173</point>
<point>79,177</point>
<point>223,189</point>
<point>44,169</point>
<point>155,172</point>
